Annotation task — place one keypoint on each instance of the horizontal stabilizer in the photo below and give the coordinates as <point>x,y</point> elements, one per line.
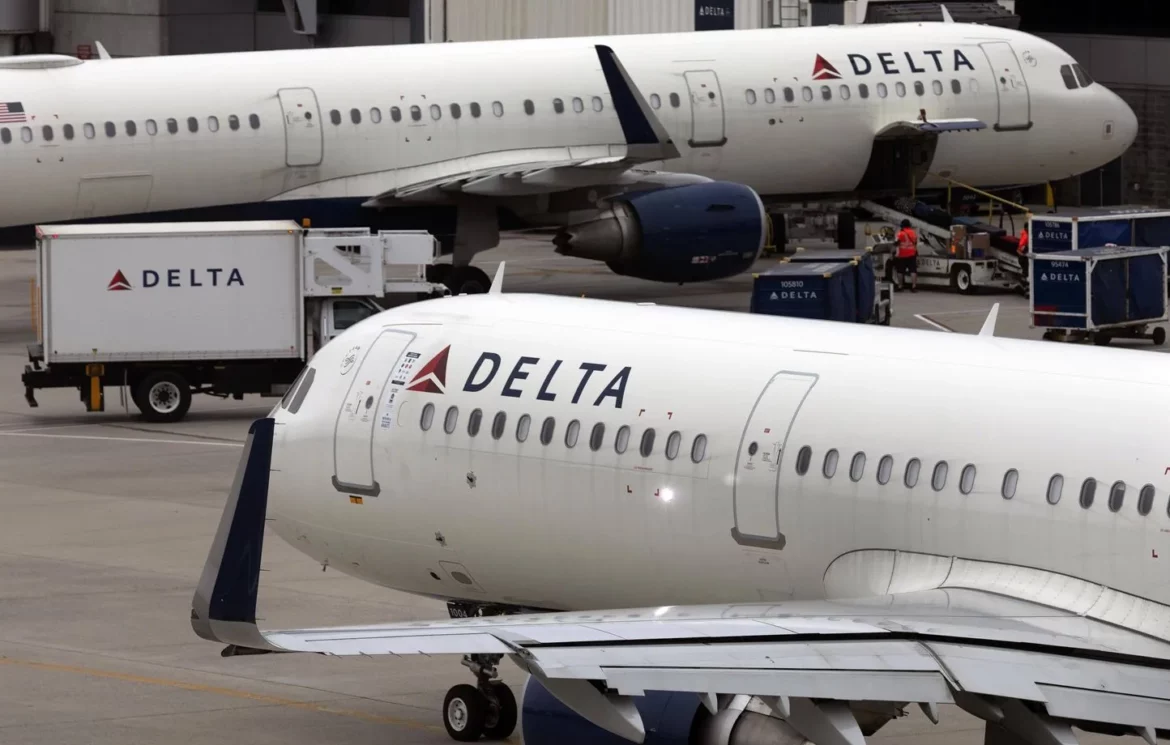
<point>640,126</point>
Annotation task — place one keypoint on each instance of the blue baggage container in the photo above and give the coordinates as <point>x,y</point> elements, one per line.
<point>864,275</point>
<point>822,291</point>
<point>1096,288</point>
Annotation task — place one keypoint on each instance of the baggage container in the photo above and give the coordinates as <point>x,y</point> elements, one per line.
<point>818,290</point>
<point>865,286</point>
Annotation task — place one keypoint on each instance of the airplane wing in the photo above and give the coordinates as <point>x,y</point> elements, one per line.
<point>1031,668</point>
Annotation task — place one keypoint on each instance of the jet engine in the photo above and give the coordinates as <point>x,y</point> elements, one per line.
<point>690,233</point>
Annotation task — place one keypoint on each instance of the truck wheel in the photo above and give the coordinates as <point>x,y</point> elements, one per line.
<point>962,280</point>
<point>467,279</point>
<point>1159,336</point>
<point>163,397</point>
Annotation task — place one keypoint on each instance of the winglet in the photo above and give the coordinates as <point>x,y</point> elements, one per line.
<point>101,50</point>
<point>640,126</point>
<point>498,281</point>
<point>224,606</point>
<point>989,324</point>
<point>946,14</point>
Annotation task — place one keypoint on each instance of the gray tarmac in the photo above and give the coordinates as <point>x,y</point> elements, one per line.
<point>105,523</point>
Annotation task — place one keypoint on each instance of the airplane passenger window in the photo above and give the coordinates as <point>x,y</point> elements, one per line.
<point>522,427</point>
<point>826,93</point>
<point>937,87</point>
<point>395,114</point>
<point>473,422</point>
<point>829,468</point>
<point>675,101</point>
<point>26,134</point>
<point>655,101</point>
<point>131,128</point>
<point>547,429</point>
<point>699,449</point>
<point>967,479</point>
<point>456,111</point>
<point>355,116</point>
<point>751,96</point>
<point>973,85</point>
<point>647,446</point>
<point>89,131</point>
<point>415,113</point>
<point>863,90</point>
<point>436,111</point>
<point>1082,76</point>
<point>451,419</point>
<point>254,121</point>
<point>913,468</point>
<point>919,88</point>
<point>172,126</point>
<point>111,130</point>
<point>846,94</point>
<point>900,89</point>
<point>578,105</point>
<point>302,390</point>
<point>1088,491</point>
<point>806,93</point>
<point>956,87</point>
<point>803,459</point>
<point>572,432</point>
<point>5,135</point>
<point>672,445</point>
<point>559,105</point>
<point>622,440</point>
<point>885,469</point>
<point>233,122</point>
<point>769,95</point>
<point>47,133</point>
<point>1070,79</point>
<point>1055,486</point>
<point>475,110</point>
<point>376,115</point>
<point>192,124</point>
<point>1116,496</point>
<point>789,95</point>
<point>497,108</point>
<point>882,90</point>
<point>1146,500</point>
<point>857,467</point>
<point>939,479</point>
<point>213,123</point>
<point>151,127</point>
<point>597,437</point>
<point>598,104</point>
<point>529,107</point>
<point>335,117</point>
<point>1010,480</point>
<point>498,423</point>
<point>428,416</point>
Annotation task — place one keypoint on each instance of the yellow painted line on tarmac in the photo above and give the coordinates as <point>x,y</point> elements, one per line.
<point>218,690</point>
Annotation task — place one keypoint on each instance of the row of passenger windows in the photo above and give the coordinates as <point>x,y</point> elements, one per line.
<point>621,441</point>
<point>845,92</point>
<point>456,110</point>
<point>129,128</point>
<point>938,479</point>
<point>1075,77</point>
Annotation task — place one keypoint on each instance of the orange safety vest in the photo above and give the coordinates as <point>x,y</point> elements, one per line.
<point>1023,247</point>
<point>907,243</point>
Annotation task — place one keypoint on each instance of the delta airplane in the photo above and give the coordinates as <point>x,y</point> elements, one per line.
<point>710,528</point>
<point>624,143</point>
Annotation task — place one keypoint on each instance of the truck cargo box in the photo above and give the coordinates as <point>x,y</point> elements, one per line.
<point>823,291</point>
<point>863,272</point>
<point>212,291</point>
<point>1096,288</point>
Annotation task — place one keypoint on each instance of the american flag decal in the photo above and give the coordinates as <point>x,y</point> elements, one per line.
<point>12,112</point>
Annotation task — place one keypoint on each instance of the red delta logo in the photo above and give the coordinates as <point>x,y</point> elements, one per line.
<point>824,70</point>
<point>119,282</point>
<point>432,378</point>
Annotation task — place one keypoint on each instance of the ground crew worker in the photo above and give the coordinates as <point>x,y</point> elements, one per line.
<point>907,256</point>
<point>1022,254</point>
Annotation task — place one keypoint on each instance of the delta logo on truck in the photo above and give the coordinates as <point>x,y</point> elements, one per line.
<point>211,277</point>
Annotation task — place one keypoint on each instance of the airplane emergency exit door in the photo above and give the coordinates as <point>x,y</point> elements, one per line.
<point>303,138</point>
<point>707,121</point>
<point>761,453</point>
<point>353,435</point>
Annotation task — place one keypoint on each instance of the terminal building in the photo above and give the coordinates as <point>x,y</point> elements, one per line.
<point>1129,52</point>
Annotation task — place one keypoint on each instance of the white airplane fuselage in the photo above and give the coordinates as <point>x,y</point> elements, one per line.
<point>203,131</point>
<point>369,481</point>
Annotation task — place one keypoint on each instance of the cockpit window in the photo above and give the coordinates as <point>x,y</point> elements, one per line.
<point>302,391</point>
<point>1070,79</point>
<point>1082,76</point>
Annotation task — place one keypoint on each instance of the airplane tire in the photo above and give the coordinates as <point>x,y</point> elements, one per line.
<point>467,279</point>
<point>505,719</point>
<point>464,711</point>
<point>163,396</point>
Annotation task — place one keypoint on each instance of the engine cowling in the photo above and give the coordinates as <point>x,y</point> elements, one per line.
<point>691,233</point>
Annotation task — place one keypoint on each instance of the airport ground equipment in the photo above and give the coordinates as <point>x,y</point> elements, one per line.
<point>1092,228</point>
<point>821,290</point>
<point>162,311</point>
<point>874,298</point>
<point>1100,294</point>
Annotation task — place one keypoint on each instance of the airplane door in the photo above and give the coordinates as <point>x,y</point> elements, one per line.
<point>302,127</point>
<point>761,453</point>
<point>1015,103</point>
<point>353,436</point>
<point>707,120</point>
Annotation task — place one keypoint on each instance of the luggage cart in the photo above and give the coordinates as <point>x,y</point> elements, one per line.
<point>1099,294</point>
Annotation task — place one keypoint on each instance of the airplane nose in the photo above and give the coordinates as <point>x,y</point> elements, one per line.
<point>1127,124</point>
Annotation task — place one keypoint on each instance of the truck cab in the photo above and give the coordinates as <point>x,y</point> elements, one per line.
<point>334,315</point>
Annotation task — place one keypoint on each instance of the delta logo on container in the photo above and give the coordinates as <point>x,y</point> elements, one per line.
<point>211,277</point>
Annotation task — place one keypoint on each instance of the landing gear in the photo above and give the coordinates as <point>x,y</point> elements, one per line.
<point>486,709</point>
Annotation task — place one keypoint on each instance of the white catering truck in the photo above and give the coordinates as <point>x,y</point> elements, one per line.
<point>165,310</point>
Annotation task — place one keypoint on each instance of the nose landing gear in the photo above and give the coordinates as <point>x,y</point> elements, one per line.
<point>486,709</point>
